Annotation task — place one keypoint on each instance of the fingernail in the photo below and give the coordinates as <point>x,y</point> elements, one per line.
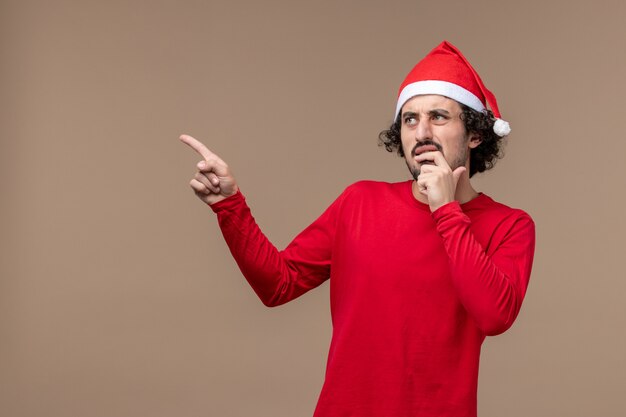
<point>201,165</point>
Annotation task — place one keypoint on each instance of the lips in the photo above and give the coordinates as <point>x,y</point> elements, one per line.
<point>424,148</point>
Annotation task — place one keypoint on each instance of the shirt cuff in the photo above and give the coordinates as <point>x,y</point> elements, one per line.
<point>451,207</point>
<point>228,203</point>
<point>449,216</point>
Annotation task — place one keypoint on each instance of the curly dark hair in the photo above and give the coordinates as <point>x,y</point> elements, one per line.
<point>482,158</point>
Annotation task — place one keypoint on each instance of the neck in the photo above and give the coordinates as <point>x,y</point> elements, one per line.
<point>464,190</point>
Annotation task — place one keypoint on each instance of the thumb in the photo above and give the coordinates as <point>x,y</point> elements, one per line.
<point>456,174</point>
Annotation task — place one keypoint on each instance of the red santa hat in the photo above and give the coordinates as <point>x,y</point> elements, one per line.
<point>446,72</point>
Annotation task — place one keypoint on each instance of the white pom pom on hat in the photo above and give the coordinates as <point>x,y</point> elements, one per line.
<point>445,71</point>
<point>501,128</point>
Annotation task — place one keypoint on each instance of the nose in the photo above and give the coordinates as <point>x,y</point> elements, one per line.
<point>423,130</point>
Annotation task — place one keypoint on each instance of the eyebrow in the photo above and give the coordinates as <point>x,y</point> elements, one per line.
<point>439,111</point>
<point>430,113</point>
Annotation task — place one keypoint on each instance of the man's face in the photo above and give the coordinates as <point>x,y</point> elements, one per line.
<point>433,123</point>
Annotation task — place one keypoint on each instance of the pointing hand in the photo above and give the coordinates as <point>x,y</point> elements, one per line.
<point>213,182</point>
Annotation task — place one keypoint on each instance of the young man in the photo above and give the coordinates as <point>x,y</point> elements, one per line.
<point>421,271</point>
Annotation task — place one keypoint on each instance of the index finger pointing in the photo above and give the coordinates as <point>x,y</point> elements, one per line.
<point>197,146</point>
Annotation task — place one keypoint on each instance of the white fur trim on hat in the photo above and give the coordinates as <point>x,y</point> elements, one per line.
<point>442,88</point>
<point>501,128</point>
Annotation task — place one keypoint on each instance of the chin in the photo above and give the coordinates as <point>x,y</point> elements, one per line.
<point>415,169</point>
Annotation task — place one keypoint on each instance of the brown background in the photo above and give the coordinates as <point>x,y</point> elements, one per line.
<point>117,294</point>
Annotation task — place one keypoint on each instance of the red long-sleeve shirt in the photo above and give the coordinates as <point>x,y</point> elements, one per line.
<point>412,293</point>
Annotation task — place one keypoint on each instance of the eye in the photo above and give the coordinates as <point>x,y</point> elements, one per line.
<point>410,121</point>
<point>439,118</point>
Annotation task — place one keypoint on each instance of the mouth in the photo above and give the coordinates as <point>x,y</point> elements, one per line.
<point>424,148</point>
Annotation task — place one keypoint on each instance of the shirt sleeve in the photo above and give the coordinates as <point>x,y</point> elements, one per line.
<point>491,286</point>
<point>277,276</point>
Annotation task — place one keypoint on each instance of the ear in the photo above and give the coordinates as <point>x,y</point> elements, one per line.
<point>474,140</point>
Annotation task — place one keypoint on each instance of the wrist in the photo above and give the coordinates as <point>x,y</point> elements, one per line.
<point>439,204</point>
<point>226,201</point>
<point>443,206</point>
